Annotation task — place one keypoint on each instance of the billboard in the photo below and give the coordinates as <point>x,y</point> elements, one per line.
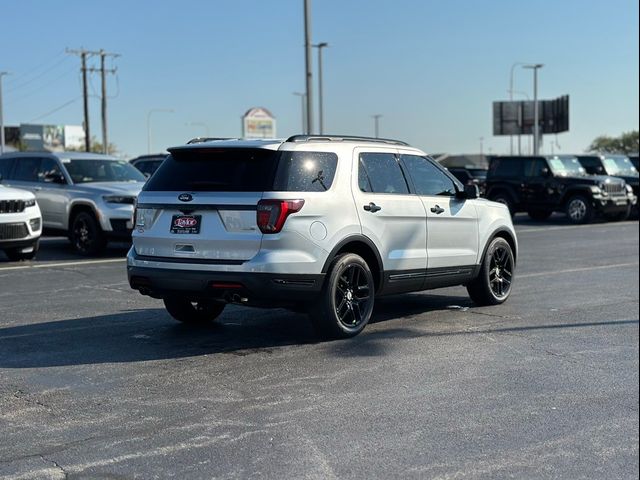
<point>258,123</point>
<point>517,117</point>
<point>52,138</point>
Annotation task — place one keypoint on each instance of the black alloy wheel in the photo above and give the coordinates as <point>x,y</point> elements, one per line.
<point>347,300</point>
<point>493,284</point>
<point>86,235</point>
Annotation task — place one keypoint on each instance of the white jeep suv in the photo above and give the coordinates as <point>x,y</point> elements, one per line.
<point>322,224</point>
<point>20,223</point>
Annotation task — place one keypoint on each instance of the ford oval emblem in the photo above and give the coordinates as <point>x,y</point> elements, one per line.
<point>185,197</point>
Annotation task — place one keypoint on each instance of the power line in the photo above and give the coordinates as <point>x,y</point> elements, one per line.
<point>30,93</point>
<point>37,77</point>
<point>55,109</point>
<point>36,68</point>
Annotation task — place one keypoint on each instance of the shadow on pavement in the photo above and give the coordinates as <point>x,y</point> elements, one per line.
<point>55,249</point>
<point>139,335</point>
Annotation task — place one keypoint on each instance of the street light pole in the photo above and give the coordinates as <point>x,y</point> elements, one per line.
<point>376,117</point>
<point>536,140</point>
<point>2,74</point>
<point>304,111</point>
<point>320,46</point>
<point>307,61</point>
<point>153,110</point>
<point>513,66</point>
<point>200,124</point>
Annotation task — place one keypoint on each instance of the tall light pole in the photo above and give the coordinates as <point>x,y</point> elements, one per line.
<point>153,110</point>
<point>376,118</point>
<point>511,92</point>
<point>2,74</point>
<point>536,140</point>
<point>303,98</point>
<point>320,46</point>
<point>307,61</point>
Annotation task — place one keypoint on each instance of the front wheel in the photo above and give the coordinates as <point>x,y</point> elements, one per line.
<point>86,235</point>
<point>201,312</point>
<point>346,302</point>
<point>493,284</point>
<point>579,210</point>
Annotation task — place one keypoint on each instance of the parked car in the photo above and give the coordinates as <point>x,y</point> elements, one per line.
<point>471,176</point>
<point>634,160</point>
<point>556,183</point>
<point>317,224</point>
<point>20,223</point>
<point>148,164</point>
<point>615,165</point>
<point>87,196</point>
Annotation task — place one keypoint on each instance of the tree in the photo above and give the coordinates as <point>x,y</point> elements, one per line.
<point>626,143</point>
<point>96,147</point>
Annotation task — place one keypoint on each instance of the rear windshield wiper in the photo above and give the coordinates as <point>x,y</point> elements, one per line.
<point>320,179</point>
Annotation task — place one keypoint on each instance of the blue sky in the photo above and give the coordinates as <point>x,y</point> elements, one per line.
<point>431,68</point>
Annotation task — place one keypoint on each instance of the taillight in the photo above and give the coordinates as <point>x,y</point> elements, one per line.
<point>271,214</point>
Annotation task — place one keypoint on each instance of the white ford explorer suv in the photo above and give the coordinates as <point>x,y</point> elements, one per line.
<point>322,224</point>
<point>20,223</point>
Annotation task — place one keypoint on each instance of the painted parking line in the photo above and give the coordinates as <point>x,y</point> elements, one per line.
<point>64,264</point>
<point>574,270</point>
<point>572,227</point>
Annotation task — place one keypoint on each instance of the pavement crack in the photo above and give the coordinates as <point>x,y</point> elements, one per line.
<point>57,465</point>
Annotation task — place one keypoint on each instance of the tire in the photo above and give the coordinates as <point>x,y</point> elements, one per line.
<point>16,254</point>
<point>201,312</point>
<point>539,215</point>
<point>493,284</point>
<point>579,210</point>
<point>347,298</point>
<point>505,199</point>
<point>85,234</point>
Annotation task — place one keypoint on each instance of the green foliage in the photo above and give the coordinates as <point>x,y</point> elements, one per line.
<point>96,147</point>
<point>626,143</point>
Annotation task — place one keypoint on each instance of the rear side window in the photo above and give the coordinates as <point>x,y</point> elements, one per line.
<point>215,170</point>
<point>505,167</point>
<point>305,171</point>
<point>381,173</point>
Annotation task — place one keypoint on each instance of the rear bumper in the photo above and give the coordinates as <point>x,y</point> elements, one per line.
<point>248,288</point>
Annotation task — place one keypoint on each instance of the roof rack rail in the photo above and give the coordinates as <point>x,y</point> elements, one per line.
<point>208,139</point>
<point>343,138</point>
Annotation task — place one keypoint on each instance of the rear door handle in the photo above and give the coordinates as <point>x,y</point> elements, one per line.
<point>437,209</point>
<point>372,207</point>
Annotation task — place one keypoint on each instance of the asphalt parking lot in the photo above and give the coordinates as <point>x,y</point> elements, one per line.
<point>96,381</point>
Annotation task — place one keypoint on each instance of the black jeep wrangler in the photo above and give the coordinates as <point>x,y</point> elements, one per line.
<point>615,165</point>
<point>541,185</point>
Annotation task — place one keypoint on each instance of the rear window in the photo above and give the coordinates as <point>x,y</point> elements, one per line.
<point>244,170</point>
<point>506,167</point>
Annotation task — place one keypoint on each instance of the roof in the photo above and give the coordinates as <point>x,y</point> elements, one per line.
<point>67,155</point>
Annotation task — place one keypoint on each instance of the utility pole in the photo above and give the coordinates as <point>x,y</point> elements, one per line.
<point>103,71</point>
<point>320,46</point>
<point>2,74</point>
<point>307,60</point>
<point>536,120</point>
<point>85,95</point>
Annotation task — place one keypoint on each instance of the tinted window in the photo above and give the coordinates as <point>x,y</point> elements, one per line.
<point>505,167</point>
<point>48,170</point>
<point>27,169</point>
<point>533,167</point>
<point>305,171</point>
<point>381,173</point>
<point>6,164</point>
<point>427,178</point>
<point>217,170</point>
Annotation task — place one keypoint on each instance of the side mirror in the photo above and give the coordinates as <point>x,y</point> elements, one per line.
<point>54,178</point>
<point>470,192</point>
